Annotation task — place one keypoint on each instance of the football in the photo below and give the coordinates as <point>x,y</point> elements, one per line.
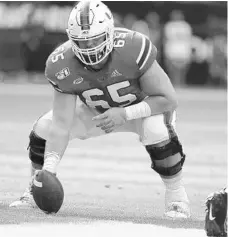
<point>47,192</point>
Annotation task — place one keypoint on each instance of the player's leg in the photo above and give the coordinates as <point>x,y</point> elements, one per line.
<point>159,137</point>
<point>36,148</point>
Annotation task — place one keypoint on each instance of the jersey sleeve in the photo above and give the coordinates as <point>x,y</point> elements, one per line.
<point>52,69</point>
<point>144,52</point>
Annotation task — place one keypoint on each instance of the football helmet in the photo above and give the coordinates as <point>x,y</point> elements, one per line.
<point>91,21</point>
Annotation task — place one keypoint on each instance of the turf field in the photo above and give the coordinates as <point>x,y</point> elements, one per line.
<point>110,189</point>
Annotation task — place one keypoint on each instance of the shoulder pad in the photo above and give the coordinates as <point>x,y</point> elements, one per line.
<point>143,51</point>
<point>57,64</point>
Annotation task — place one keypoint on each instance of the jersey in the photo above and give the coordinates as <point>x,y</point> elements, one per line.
<point>116,84</point>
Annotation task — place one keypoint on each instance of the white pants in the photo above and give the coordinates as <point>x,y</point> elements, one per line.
<point>151,130</point>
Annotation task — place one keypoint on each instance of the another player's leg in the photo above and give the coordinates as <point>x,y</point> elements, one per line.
<point>36,155</point>
<point>216,213</point>
<point>165,150</point>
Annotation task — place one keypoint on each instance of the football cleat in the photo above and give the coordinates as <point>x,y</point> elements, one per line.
<point>216,213</point>
<point>177,204</point>
<point>26,200</point>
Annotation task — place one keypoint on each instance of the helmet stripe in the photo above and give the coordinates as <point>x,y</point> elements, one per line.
<point>84,16</point>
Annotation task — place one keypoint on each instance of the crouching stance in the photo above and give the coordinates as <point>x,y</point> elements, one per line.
<point>105,80</point>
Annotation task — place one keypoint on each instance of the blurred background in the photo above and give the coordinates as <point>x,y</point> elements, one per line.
<point>191,37</point>
<point>98,181</point>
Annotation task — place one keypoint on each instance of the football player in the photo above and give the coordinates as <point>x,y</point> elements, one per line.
<point>105,80</point>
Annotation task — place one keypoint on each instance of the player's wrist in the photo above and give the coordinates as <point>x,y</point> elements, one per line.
<point>140,110</point>
<point>51,161</point>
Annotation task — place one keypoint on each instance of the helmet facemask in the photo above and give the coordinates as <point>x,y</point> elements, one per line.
<point>94,55</point>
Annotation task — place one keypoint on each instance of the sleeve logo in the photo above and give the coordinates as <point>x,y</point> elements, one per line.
<point>78,80</point>
<point>65,72</point>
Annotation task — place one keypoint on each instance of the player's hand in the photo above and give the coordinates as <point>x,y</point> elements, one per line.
<point>111,119</point>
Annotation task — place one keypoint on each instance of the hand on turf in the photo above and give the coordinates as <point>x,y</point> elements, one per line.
<point>111,119</point>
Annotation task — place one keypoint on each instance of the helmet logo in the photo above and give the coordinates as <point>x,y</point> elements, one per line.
<point>85,32</point>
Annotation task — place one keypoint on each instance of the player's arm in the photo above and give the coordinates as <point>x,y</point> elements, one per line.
<point>58,136</point>
<point>161,94</point>
<point>153,81</point>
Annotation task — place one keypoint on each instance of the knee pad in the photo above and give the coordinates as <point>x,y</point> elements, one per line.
<point>36,148</point>
<point>162,157</point>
